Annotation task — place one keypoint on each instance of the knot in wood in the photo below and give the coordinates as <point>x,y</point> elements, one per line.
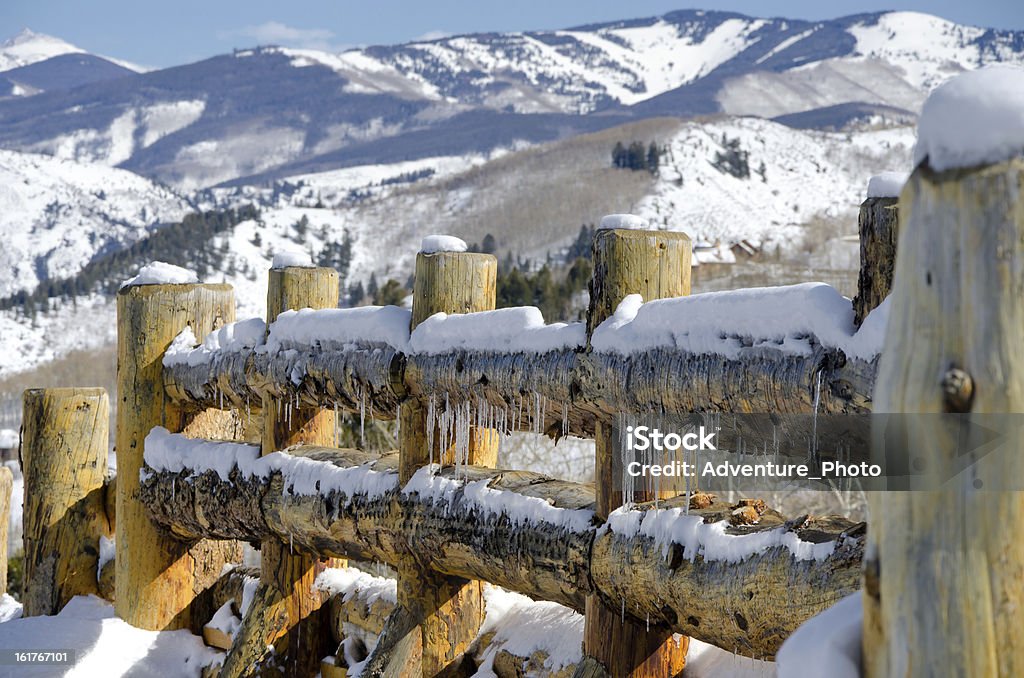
<point>957,390</point>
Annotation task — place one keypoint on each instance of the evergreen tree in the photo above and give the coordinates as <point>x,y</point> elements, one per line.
<point>490,245</point>
<point>637,159</point>
<point>619,159</point>
<point>391,294</point>
<point>652,158</point>
<point>356,294</point>
<point>372,288</point>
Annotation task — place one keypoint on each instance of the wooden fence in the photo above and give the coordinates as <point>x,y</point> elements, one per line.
<point>183,505</point>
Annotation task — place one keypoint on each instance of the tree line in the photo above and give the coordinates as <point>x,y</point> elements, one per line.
<point>636,156</point>
<point>555,287</point>
<point>186,243</point>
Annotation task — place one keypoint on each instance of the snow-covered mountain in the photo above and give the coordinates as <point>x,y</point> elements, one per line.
<point>28,47</point>
<point>594,67</point>
<point>57,215</point>
<point>266,113</point>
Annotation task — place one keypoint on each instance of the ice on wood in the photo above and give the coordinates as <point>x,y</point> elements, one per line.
<point>710,541</point>
<point>520,328</point>
<point>886,184</point>
<point>518,508</point>
<point>231,338</point>
<point>159,273</point>
<point>789,319</point>
<point>108,550</point>
<point>292,259</point>
<point>973,119</point>
<point>627,221</point>
<point>174,453</point>
<point>442,243</point>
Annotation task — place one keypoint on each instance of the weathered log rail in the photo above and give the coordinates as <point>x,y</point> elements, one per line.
<point>578,387</point>
<point>738,605</point>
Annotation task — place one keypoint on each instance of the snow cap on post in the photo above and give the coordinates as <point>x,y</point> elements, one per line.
<point>442,243</point>
<point>160,273</point>
<point>629,221</point>
<point>976,118</point>
<point>887,184</point>
<point>292,259</point>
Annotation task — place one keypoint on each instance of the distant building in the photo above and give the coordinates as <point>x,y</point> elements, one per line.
<point>8,444</point>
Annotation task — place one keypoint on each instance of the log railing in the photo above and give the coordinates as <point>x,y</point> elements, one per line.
<point>447,529</point>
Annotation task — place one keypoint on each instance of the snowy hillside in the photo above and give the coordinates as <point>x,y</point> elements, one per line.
<point>779,180</point>
<point>56,215</point>
<point>721,181</point>
<point>265,113</point>
<point>791,178</point>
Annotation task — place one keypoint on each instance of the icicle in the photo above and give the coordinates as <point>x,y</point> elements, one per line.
<point>431,428</point>
<point>814,425</point>
<point>362,419</point>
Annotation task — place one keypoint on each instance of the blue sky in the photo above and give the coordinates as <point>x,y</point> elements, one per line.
<point>178,31</point>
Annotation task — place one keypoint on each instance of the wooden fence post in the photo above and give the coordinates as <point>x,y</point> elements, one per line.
<point>157,579</point>
<point>437,616</point>
<point>285,614</point>
<point>879,227</point>
<point>656,265</point>
<point>64,460</point>
<point>6,485</point>
<point>944,574</point>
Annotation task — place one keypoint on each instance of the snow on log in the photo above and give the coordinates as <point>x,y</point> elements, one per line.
<point>644,360</point>
<point>740,587</point>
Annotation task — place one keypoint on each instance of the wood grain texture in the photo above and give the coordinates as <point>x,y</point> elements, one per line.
<point>879,226</point>
<point>285,634</point>
<point>773,592</point>
<point>591,386</point>
<point>6,485</point>
<point>157,579</point>
<point>64,457</point>
<point>945,592</point>
<point>438,615</point>
<point>655,265</point>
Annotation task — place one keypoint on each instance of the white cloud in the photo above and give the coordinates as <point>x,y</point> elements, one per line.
<point>277,33</point>
<point>431,35</point>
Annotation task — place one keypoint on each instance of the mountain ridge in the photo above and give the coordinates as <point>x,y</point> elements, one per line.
<point>258,114</point>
